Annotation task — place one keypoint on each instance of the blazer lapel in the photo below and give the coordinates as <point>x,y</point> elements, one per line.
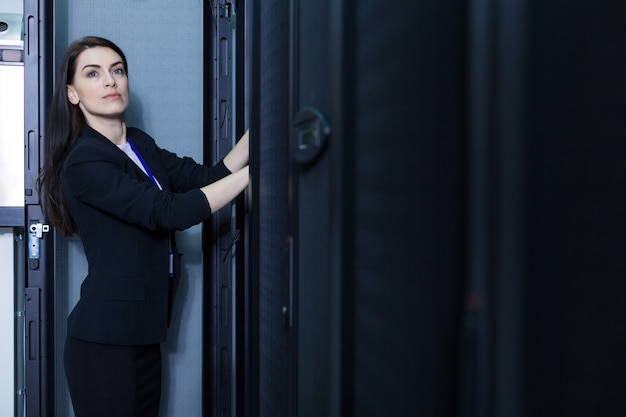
<point>149,155</point>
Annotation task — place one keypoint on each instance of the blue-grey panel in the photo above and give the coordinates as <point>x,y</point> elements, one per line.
<point>162,41</point>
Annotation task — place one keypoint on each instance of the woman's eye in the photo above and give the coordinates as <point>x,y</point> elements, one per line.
<point>92,74</point>
<point>119,71</point>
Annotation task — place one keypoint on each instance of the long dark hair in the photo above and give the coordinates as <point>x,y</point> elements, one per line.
<point>65,122</point>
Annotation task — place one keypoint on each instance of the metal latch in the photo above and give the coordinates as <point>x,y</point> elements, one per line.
<point>35,233</point>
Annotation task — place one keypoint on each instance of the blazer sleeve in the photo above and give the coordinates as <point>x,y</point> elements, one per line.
<point>182,173</point>
<point>98,175</point>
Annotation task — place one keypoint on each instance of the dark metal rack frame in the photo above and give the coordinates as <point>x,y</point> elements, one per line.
<point>225,306</point>
<point>39,268</point>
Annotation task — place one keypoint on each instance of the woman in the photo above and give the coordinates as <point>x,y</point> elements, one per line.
<point>125,197</point>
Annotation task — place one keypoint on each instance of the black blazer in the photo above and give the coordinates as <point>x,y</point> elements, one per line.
<point>126,225</point>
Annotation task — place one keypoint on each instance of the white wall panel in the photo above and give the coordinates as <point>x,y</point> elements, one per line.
<point>11,6</point>
<point>7,323</point>
<point>11,135</point>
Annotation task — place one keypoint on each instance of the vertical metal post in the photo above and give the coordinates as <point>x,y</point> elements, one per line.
<point>491,384</point>
<point>39,329</point>
<point>477,379</point>
<point>510,267</point>
<point>20,325</point>
<point>222,232</point>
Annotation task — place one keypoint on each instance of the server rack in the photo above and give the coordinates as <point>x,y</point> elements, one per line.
<point>545,284</point>
<point>39,288</point>
<point>335,237</point>
<point>272,338</point>
<point>225,349</point>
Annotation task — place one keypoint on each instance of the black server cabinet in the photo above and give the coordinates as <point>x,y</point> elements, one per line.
<point>358,221</point>
<point>545,262</point>
<point>456,245</point>
<point>399,232</point>
<point>271,337</point>
<point>574,315</point>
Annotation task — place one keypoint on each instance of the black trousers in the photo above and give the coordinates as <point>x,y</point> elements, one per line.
<point>110,380</point>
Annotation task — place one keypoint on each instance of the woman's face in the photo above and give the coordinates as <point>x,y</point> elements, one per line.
<point>100,85</point>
